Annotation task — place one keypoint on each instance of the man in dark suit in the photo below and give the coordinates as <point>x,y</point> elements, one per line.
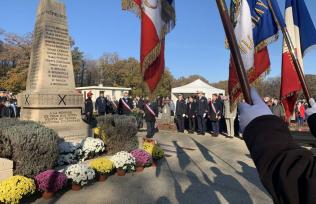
<point>125,105</point>
<point>181,111</point>
<point>88,108</point>
<point>222,123</point>
<point>286,169</point>
<point>101,104</point>
<point>202,110</point>
<point>140,102</point>
<point>151,112</point>
<point>191,114</point>
<point>215,114</point>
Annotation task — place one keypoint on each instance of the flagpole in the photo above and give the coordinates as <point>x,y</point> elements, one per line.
<point>234,49</point>
<point>291,48</point>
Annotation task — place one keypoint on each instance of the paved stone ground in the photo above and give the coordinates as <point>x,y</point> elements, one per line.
<point>196,170</point>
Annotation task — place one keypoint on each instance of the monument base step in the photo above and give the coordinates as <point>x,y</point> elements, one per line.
<point>73,133</point>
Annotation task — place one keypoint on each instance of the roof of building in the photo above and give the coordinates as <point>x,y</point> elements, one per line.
<point>101,87</point>
<point>197,85</point>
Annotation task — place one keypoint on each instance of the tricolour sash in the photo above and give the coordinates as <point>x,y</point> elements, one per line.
<point>216,113</point>
<point>126,106</point>
<point>114,105</point>
<point>150,110</point>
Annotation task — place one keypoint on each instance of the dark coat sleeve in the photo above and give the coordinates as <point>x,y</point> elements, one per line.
<point>120,107</point>
<point>177,108</point>
<point>88,107</point>
<point>207,107</point>
<point>155,107</point>
<point>130,103</point>
<point>312,124</point>
<point>287,170</point>
<point>97,104</point>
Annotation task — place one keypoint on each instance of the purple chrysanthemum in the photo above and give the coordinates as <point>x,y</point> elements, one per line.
<point>142,157</point>
<point>50,181</point>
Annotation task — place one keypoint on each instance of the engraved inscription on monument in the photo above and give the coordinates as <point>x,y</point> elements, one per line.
<point>60,117</point>
<point>50,96</point>
<point>51,64</point>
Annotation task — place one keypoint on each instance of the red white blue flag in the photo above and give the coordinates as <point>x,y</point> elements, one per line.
<point>303,35</point>
<point>157,19</point>
<point>255,29</point>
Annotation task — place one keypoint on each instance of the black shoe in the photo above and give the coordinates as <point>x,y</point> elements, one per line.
<point>203,133</point>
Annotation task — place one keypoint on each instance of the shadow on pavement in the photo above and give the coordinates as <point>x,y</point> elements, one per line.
<point>205,152</point>
<point>251,175</point>
<point>225,181</point>
<point>158,167</point>
<point>183,157</point>
<point>197,192</point>
<point>163,200</point>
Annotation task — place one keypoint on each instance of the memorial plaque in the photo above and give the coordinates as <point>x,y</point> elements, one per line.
<point>50,96</point>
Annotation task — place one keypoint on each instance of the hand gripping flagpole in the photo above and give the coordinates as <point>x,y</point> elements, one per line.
<point>234,49</point>
<point>290,46</point>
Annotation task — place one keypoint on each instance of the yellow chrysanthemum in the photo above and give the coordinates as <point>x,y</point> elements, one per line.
<point>102,165</point>
<point>14,188</point>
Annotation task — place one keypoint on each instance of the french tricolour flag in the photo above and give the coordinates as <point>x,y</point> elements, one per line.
<point>255,29</point>
<point>157,19</point>
<point>303,35</point>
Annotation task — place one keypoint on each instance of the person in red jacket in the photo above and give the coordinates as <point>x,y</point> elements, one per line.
<point>287,170</point>
<point>300,114</point>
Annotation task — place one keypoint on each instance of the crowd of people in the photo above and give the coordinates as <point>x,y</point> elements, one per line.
<point>124,106</point>
<point>8,105</point>
<point>195,113</point>
<point>299,111</point>
<point>215,115</point>
<point>199,114</point>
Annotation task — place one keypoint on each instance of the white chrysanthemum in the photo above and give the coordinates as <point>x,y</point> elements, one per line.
<point>80,174</point>
<point>92,146</point>
<point>124,160</point>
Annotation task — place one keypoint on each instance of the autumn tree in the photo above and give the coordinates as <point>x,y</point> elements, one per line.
<point>78,63</point>
<point>15,52</point>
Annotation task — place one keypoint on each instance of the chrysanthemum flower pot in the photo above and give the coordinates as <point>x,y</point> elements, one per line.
<point>47,195</point>
<point>75,187</point>
<point>120,172</point>
<point>139,169</point>
<point>103,177</point>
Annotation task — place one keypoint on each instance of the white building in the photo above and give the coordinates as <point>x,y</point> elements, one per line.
<point>191,89</point>
<point>108,91</point>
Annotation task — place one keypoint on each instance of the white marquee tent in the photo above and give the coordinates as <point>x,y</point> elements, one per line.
<point>193,87</point>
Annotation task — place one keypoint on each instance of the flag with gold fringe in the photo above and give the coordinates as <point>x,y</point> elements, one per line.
<point>255,29</point>
<point>157,19</point>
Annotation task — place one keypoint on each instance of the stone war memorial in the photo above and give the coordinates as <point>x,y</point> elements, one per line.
<point>50,97</point>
